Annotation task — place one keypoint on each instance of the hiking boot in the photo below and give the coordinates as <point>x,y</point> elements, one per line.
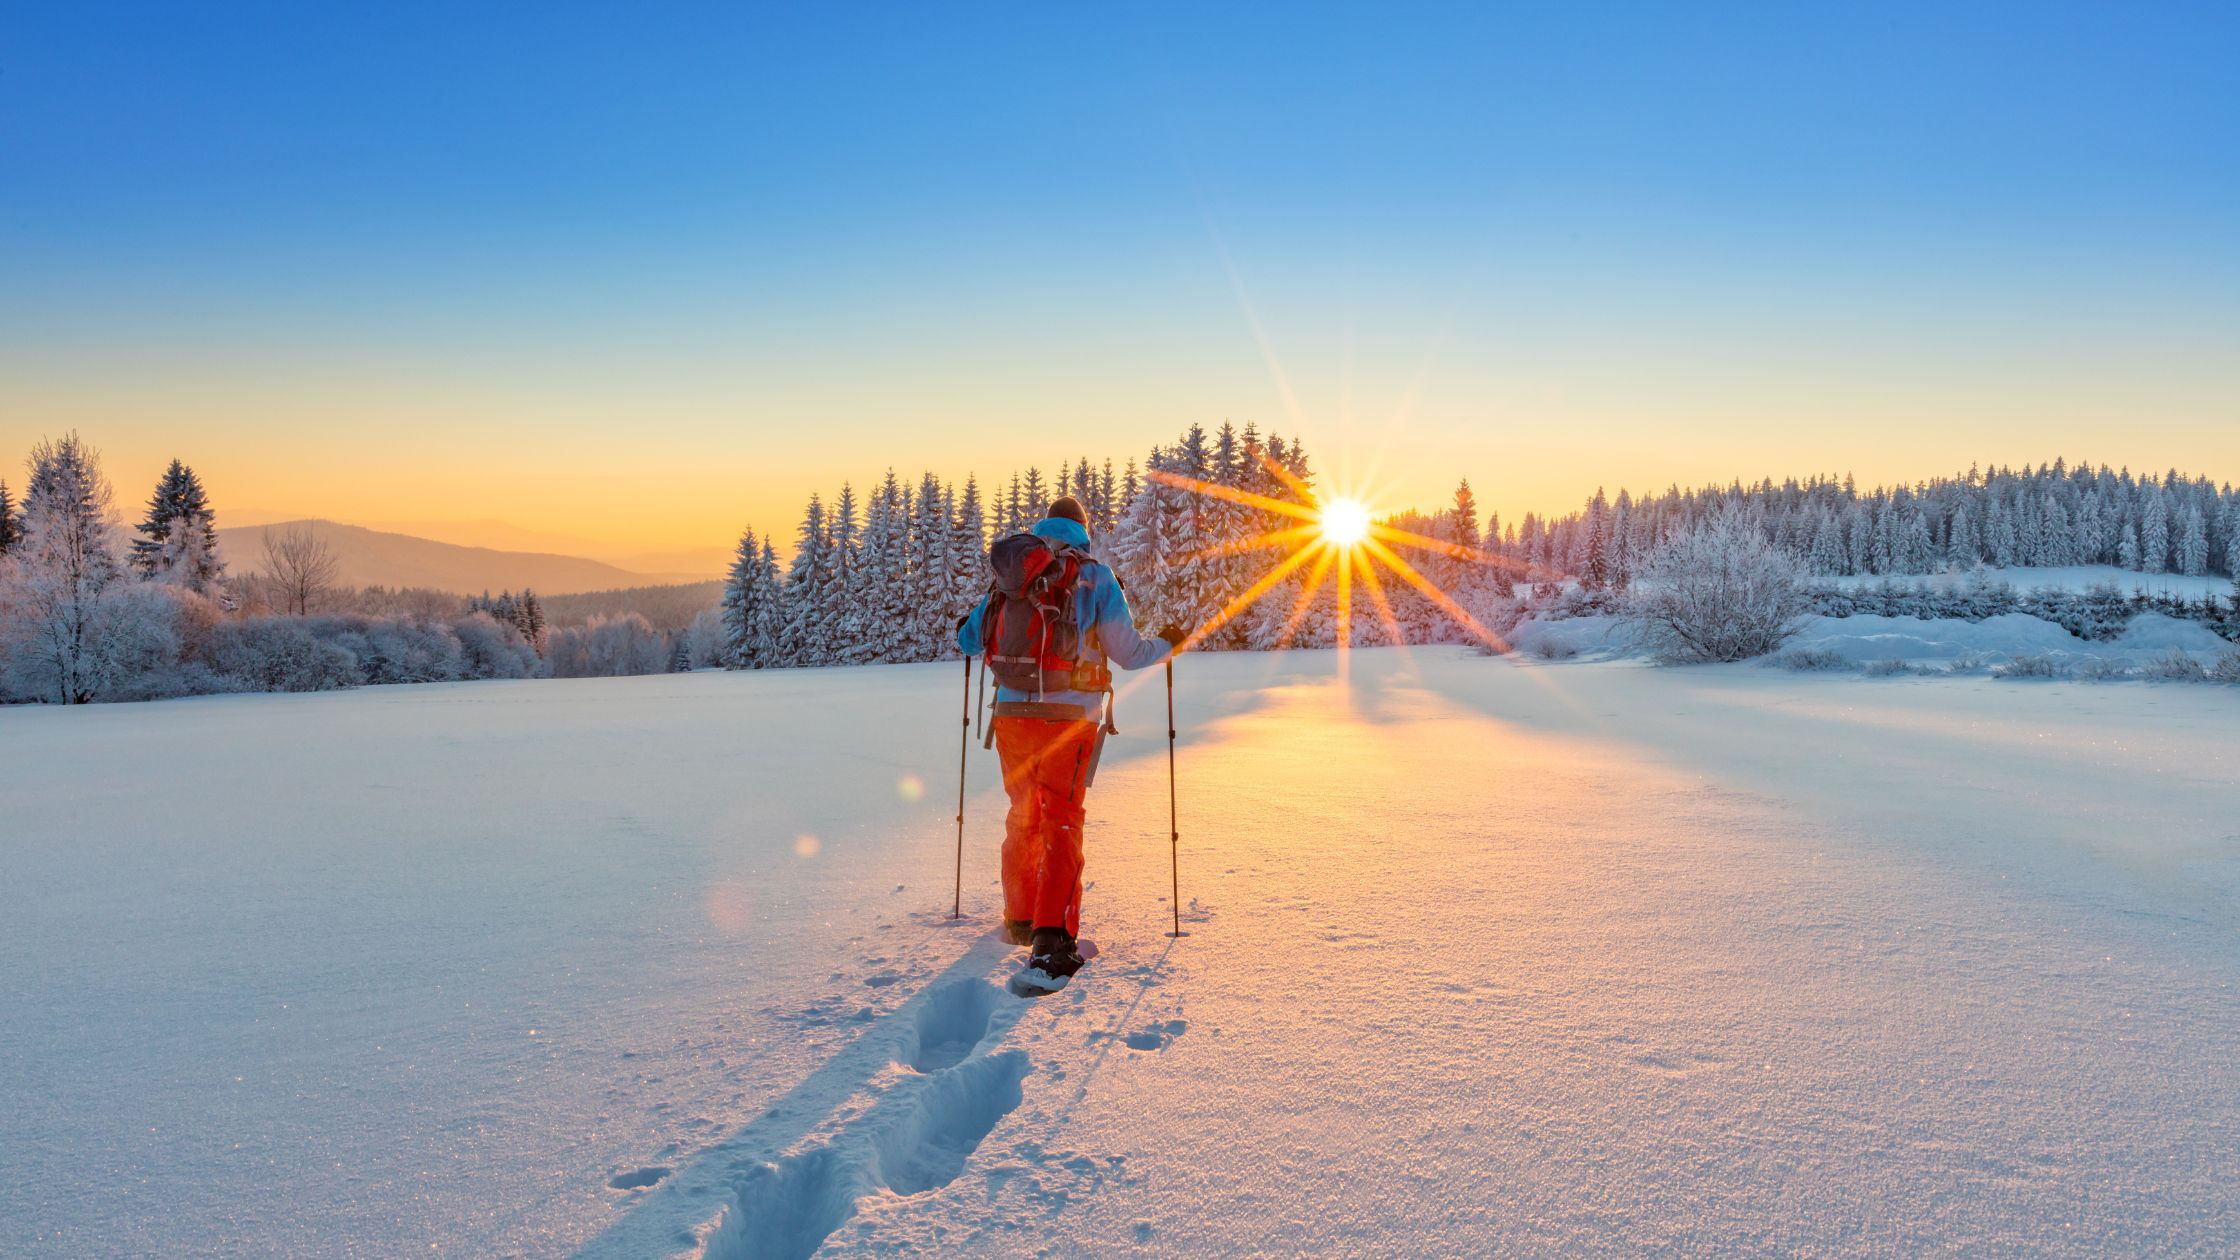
<point>1019,931</point>
<point>1053,954</point>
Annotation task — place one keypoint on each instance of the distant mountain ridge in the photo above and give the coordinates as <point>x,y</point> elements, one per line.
<point>490,534</point>
<point>370,557</point>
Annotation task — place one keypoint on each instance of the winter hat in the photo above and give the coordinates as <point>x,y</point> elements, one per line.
<point>1069,508</point>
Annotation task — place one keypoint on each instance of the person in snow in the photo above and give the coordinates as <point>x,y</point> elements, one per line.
<point>1051,715</point>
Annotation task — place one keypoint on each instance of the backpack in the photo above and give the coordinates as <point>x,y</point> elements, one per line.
<point>1032,629</point>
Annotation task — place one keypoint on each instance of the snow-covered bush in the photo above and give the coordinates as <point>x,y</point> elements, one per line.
<point>394,650</point>
<point>1719,592</point>
<point>2174,666</point>
<point>2103,669</point>
<point>146,635</point>
<point>2227,668</point>
<point>492,650</point>
<point>276,654</point>
<point>1967,663</point>
<point>607,647</point>
<point>1810,659</point>
<point>1892,668</point>
<point>2032,665</point>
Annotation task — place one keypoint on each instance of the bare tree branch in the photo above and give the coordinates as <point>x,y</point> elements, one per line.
<point>299,568</point>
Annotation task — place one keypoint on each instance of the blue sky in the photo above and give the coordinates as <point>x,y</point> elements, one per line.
<point>1549,249</point>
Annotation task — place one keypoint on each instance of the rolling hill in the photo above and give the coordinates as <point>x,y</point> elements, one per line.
<point>368,557</point>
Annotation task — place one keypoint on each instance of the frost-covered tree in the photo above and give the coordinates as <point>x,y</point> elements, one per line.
<point>810,585</point>
<point>2193,543</point>
<point>1594,565</point>
<point>742,596</point>
<point>1719,591</point>
<point>10,528</point>
<point>50,607</point>
<point>2154,535</point>
<point>876,621</point>
<point>704,640</point>
<point>931,599</point>
<point>845,576</point>
<point>968,554</point>
<point>608,647</point>
<point>178,540</point>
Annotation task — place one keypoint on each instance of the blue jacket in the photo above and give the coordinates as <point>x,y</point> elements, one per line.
<point>1099,604</point>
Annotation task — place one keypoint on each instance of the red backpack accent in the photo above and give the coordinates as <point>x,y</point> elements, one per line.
<point>1032,630</point>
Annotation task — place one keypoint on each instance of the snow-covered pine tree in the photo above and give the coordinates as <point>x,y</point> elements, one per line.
<point>743,604</point>
<point>64,563</point>
<point>1594,558</point>
<point>842,581</point>
<point>1826,556</point>
<point>807,638</point>
<point>2193,543</point>
<point>530,622</point>
<point>1915,552</point>
<point>968,555</point>
<point>900,612</point>
<point>765,644</point>
<point>2154,533</point>
<point>878,575</point>
<point>179,538</point>
<point>1960,541</point>
<point>930,619</point>
<point>1622,558</point>
<point>1225,573</point>
<point>10,528</point>
<point>1149,543</point>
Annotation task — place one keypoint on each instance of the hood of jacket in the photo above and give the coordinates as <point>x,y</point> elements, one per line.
<point>1059,529</point>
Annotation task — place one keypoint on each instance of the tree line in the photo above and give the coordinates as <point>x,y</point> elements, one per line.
<point>885,576</point>
<point>2052,516</point>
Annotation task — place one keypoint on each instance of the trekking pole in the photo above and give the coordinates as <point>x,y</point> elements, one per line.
<point>1174,831</point>
<point>964,742</point>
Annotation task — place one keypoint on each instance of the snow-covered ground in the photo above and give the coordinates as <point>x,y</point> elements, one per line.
<point>2075,577</point>
<point>1484,957</point>
<point>1865,639</point>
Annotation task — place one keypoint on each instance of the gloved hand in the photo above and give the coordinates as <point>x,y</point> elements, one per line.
<point>1175,636</point>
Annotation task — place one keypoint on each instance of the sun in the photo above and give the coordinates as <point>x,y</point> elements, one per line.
<point>1334,538</point>
<point>1344,522</point>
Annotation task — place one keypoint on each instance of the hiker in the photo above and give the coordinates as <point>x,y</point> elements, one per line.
<point>1051,715</point>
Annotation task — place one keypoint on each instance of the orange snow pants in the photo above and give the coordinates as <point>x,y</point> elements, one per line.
<point>1046,769</point>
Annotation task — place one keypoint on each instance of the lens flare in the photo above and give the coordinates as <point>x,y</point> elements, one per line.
<point>1344,522</point>
<point>1340,529</point>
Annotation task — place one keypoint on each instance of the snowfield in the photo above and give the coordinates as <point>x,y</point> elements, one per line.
<point>1483,957</point>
